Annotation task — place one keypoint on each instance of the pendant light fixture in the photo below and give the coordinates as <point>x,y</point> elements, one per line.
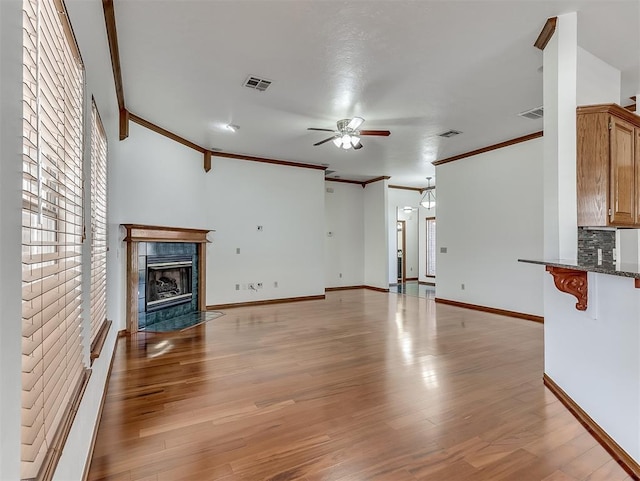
<point>429,198</point>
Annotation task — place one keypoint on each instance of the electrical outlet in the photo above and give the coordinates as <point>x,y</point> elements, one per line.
<point>275,283</point>
<point>237,287</point>
<point>462,286</point>
<point>237,250</point>
<point>340,275</point>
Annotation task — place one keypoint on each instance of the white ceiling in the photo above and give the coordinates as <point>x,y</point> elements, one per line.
<point>416,68</point>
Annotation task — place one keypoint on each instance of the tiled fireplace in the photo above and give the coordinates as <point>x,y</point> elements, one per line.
<point>165,274</point>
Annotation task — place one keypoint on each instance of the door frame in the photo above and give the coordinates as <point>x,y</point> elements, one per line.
<point>403,277</point>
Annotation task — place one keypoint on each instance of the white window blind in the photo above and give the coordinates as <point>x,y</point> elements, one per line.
<point>431,247</point>
<point>98,225</point>
<point>53,372</point>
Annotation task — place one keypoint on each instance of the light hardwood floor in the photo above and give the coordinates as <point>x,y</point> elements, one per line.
<point>361,386</point>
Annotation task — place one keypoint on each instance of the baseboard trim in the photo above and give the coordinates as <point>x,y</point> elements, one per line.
<point>378,289</point>
<point>613,448</point>
<point>342,288</point>
<point>94,436</point>
<point>425,283</point>
<point>216,307</point>
<point>348,288</point>
<point>492,310</point>
<point>411,279</point>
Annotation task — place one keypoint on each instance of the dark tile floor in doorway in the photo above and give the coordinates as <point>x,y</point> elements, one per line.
<point>414,289</point>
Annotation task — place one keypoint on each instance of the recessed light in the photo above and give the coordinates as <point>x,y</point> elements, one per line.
<point>232,127</point>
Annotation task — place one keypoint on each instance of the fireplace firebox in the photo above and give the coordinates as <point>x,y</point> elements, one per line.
<point>169,281</point>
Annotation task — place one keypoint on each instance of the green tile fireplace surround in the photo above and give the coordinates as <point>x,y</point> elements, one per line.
<point>143,241</point>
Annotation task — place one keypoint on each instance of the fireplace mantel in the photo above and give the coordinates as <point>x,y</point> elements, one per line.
<point>154,233</point>
<point>136,233</point>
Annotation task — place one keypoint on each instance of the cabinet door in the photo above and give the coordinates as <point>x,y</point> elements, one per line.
<point>622,201</point>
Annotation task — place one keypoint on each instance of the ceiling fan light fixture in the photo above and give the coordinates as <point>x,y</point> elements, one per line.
<point>347,135</point>
<point>354,123</point>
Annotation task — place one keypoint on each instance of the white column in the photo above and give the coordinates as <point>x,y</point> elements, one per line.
<point>559,83</point>
<point>376,235</point>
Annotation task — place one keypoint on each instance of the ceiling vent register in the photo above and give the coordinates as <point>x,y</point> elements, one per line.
<point>257,83</point>
<point>449,133</point>
<point>533,114</point>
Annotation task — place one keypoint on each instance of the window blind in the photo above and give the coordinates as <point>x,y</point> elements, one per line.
<point>98,224</point>
<point>53,372</point>
<point>431,247</point>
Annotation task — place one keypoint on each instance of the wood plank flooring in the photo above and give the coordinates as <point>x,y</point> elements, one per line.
<point>361,386</point>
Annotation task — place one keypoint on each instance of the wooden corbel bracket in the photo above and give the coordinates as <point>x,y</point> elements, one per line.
<point>572,282</point>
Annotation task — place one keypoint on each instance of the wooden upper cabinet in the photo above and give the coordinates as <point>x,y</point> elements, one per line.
<point>622,202</point>
<point>608,166</point>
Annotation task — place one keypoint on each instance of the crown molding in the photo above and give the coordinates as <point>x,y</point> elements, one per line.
<point>265,160</point>
<point>166,133</point>
<point>546,33</point>
<point>344,181</point>
<point>112,37</point>
<point>489,148</point>
<point>402,187</point>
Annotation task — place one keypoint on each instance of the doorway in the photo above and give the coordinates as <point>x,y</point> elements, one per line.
<point>401,252</point>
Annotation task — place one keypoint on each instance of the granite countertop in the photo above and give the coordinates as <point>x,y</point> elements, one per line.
<point>604,267</point>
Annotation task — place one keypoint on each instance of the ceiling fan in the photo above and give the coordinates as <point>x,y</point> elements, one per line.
<point>348,133</point>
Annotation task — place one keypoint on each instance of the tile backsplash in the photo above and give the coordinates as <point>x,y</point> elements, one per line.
<point>590,240</point>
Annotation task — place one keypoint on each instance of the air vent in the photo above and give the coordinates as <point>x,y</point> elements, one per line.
<point>533,114</point>
<point>257,83</point>
<point>449,133</point>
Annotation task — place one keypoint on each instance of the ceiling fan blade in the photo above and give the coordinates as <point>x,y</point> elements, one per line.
<point>358,146</point>
<point>382,133</point>
<point>321,130</point>
<point>325,140</point>
<point>355,122</point>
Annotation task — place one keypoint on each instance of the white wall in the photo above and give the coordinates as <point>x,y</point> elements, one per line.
<point>593,355</point>
<point>422,243</point>
<point>10,240</point>
<point>344,219</point>
<point>397,199</point>
<point>489,216</point>
<point>288,202</point>
<point>597,81</point>
<point>376,235</point>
